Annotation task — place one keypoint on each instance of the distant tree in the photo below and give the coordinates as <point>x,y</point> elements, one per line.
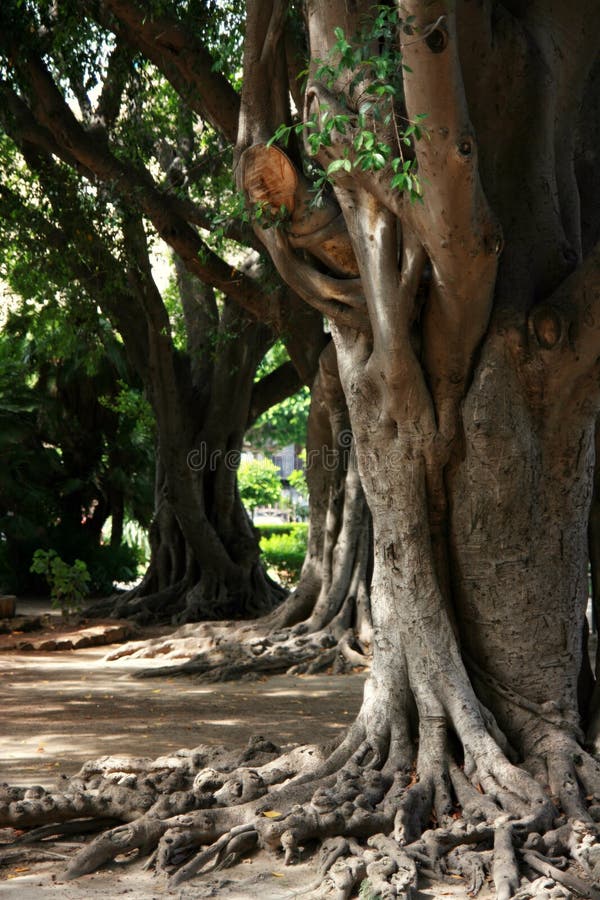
<point>73,452</point>
<point>85,204</point>
<point>259,483</point>
<point>297,480</point>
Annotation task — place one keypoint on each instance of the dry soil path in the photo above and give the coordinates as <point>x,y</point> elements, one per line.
<point>59,709</point>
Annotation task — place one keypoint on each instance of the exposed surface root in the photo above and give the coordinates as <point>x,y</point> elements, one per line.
<point>205,809</point>
<point>231,651</point>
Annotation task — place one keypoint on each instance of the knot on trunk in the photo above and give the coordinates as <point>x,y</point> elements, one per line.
<point>437,40</point>
<point>546,326</point>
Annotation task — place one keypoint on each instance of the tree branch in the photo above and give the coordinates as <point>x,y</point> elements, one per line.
<point>91,263</point>
<point>337,298</point>
<point>175,49</point>
<point>454,224</point>
<point>278,385</point>
<point>566,327</point>
<point>109,102</point>
<point>25,126</point>
<point>130,183</point>
<point>265,95</point>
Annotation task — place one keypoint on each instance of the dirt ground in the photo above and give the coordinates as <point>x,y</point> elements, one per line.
<point>62,708</point>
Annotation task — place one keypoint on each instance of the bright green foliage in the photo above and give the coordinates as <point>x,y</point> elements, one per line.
<point>285,423</point>
<point>373,57</point>
<point>267,530</point>
<point>69,585</point>
<point>297,480</point>
<point>285,552</point>
<point>259,483</point>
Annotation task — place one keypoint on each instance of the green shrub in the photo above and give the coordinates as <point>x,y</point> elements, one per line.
<point>108,564</point>
<point>69,585</point>
<point>299,528</point>
<point>285,552</point>
<point>259,483</point>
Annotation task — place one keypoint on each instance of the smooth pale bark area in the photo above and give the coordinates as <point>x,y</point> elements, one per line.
<point>325,622</point>
<point>468,349</point>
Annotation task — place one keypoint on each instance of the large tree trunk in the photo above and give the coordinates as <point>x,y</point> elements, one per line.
<point>325,622</point>
<point>468,357</point>
<point>205,561</point>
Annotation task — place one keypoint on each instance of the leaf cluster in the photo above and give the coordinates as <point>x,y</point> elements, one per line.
<point>364,73</point>
<point>69,585</point>
<point>259,483</point>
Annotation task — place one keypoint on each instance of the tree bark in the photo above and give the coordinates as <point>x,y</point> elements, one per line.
<point>205,558</point>
<point>468,355</point>
<point>325,623</point>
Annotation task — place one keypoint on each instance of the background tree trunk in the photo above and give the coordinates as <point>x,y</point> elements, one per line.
<point>467,343</point>
<point>326,621</point>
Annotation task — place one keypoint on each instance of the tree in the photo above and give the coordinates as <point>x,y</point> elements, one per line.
<point>259,483</point>
<point>72,453</point>
<point>325,622</point>
<point>467,347</point>
<point>85,182</point>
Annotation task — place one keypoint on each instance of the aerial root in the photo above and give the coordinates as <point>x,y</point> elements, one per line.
<point>569,881</point>
<point>192,639</point>
<point>470,865</point>
<point>430,796</point>
<point>75,827</point>
<point>141,835</point>
<point>344,863</point>
<point>574,840</point>
<point>29,808</point>
<point>225,851</point>
<point>18,855</point>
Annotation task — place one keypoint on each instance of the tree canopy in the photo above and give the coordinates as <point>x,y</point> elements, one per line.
<point>422,175</point>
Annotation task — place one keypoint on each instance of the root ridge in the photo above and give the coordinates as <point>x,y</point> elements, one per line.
<point>205,809</point>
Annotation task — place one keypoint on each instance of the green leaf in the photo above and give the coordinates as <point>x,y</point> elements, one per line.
<point>338,164</point>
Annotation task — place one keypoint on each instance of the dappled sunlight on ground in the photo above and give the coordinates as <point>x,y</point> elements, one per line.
<point>61,709</point>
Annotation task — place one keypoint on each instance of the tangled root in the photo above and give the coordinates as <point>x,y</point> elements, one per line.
<point>480,819</point>
<point>228,651</point>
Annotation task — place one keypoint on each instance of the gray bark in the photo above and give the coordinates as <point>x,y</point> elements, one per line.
<point>326,621</point>
<point>467,347</point>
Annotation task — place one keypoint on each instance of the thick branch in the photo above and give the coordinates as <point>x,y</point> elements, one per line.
<point>338,299</point>
<point>455,223</point>
<point>91,263</point>
<point>109,102</point>
<point>265,103</point>
<point>16,120</point>
<point>173,46</point>
<point>51,111</point>
<point>566,328</point>
<point>278,385</point>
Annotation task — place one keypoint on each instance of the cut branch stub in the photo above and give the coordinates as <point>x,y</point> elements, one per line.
<point>270,178</point>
